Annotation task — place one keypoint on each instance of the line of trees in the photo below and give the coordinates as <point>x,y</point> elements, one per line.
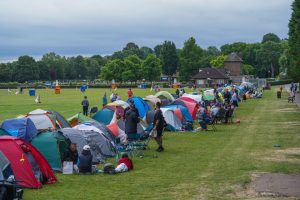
<point>268,58</point>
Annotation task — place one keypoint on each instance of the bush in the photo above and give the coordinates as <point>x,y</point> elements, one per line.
<point>280,82</point>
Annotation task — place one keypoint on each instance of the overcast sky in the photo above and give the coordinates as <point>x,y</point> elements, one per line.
<point>70,27</point>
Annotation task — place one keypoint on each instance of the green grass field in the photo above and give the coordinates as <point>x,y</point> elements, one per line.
<point>205,165</point>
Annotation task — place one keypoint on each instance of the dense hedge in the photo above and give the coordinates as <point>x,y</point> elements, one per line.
<point>280,82</point>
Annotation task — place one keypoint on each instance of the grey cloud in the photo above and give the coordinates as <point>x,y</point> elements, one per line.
<point>93,26</point>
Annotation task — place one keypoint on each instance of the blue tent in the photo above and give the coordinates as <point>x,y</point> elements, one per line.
<point>22,128</point>
<point>140,105</point>
<point>104,116</point>
<point>184,111</point>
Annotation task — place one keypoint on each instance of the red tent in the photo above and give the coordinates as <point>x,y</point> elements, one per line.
<point>191,105</point>
<point>28,164</point>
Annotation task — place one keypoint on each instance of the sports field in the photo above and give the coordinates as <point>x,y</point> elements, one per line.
<point>205,165</point>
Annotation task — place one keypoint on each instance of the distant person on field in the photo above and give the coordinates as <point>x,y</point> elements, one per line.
<point>129,93</point>
<point>281,88</point>
<point>104,100</point>
<point>85,160</point>
<point>158,124</point>
<point>124,164</point>
<point>177,92</point>
<point>71,154</point>
<point>85,105</point>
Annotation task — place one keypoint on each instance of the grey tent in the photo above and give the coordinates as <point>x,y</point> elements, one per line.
<point>103,128</point>
<point>101,146</point>
<point>150,116</point>
<point>140,128</point>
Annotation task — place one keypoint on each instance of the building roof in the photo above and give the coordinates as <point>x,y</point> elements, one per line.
<point>211,73</point>
<point>233,57</point>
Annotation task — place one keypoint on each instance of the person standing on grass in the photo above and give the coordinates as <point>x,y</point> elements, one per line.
<point>104,100</point>
<point>158,126</point>
<point>131,120</point>
<point>129,93</point>
<point>85,106</point>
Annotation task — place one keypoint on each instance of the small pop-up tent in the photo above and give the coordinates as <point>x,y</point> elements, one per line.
<point>43,120</point>
<point>164,95</point>
<point>171,119</point>
<point>28,164</point>
<point>22,128</point>
<point>104,116</point>
<point>52,146</point>
<point>101,147</point>
<point>78,118</point>
<point>140,105</point>
<point>151,101</point>
<point>63,123</point>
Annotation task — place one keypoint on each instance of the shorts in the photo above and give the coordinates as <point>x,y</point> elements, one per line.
<point>159,132</point>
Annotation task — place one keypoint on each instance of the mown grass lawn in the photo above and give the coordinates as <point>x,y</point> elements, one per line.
<point>205,165</point>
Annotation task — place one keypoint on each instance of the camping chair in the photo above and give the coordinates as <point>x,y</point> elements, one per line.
<point>220,116</point>
<point>136,143</point>
<point>93,110</point>
<point>231,115</point>
<point>212,122</point>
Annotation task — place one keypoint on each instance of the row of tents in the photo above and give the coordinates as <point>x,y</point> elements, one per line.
<point>35,143</point>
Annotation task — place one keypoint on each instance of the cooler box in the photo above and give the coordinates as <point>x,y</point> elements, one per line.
<point>31,92</point>
<point>57,89</point>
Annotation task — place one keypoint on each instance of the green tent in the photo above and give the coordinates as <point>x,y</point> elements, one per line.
<point>79,118</point>
<point>52,146</point>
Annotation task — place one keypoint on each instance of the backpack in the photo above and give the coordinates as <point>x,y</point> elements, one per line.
<point>109,168</point>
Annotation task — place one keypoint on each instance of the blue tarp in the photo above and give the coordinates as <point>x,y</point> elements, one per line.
<point>140,105</point>
<point>184,111</point>
<point>22,128</point>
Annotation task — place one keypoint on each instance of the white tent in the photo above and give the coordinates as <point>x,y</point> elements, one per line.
<point>197,98</point>
<point>171,118</point>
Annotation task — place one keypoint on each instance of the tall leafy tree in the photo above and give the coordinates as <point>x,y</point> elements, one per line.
<point>113,69</point>
<point>132,69</point>
<point>270,37</point>
<point>218,62</point>
<point>151,68</point>
<point>54,64</point>
<point>93,68</point>
<point>4,73</point>
<point>157,49</point>
<point>169,58</point>
<point>268,56</point>
<point>190,59</point>
<point>26,69</point>
<point>236,47</point>
<point>294,42</point>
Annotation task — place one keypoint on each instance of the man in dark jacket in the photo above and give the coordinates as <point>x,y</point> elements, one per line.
<point>131,120</point>
<point>85,160</point>
<point>71,154</point>
<point>158,123</point>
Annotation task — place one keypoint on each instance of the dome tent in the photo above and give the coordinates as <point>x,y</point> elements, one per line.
<point>101,147</point>
<point>140,105</point>
<point>22,128</point>
<point>52,146</point>
<point>27,163</point>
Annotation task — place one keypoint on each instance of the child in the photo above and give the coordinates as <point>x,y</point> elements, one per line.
<point>124,164</point>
